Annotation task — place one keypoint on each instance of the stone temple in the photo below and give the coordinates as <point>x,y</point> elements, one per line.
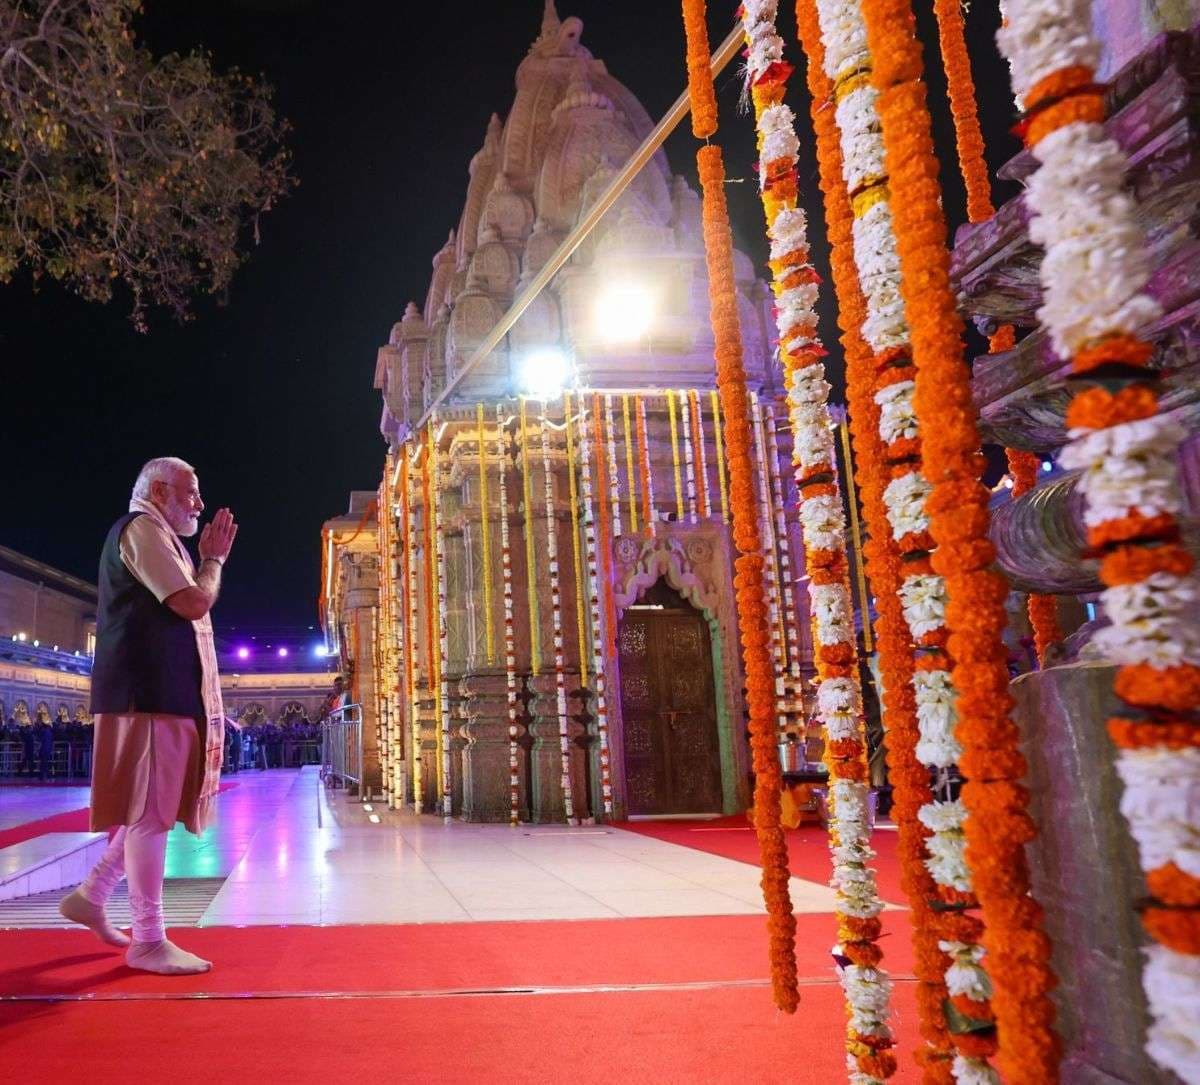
<point>675,709</point>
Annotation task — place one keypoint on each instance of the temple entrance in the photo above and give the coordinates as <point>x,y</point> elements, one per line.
<point>668,704</point>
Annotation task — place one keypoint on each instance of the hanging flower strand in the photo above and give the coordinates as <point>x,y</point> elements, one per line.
<point>839,706</point>
<point>1126,449</point>
<point>748,580</point>
<point>960,87</point>
<point>997,826</point>
<point>908,777</point>
<point>510,642</point>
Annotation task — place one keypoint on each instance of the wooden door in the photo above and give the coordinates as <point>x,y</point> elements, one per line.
<point>668,706</point>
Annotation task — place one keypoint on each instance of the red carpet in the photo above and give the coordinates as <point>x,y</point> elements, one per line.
<point>71,821</point>
<point>710,1036</point>
<point>717,1033</point>
<point>438,956</point>
<point>808,847</point>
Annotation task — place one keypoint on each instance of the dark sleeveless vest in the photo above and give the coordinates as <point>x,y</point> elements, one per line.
<point>146,656</point>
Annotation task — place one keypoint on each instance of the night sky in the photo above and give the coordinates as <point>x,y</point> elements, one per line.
<point>269,394</point>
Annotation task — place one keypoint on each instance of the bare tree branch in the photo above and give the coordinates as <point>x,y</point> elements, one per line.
<point>119,166</point>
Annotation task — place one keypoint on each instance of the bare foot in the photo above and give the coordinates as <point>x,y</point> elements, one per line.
<point>78,909</point>
<point>165,958</point>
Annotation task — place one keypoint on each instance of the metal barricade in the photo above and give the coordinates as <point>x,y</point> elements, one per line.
<point>342,749</point>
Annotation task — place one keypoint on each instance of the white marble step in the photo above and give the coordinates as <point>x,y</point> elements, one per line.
<point>49,861</point>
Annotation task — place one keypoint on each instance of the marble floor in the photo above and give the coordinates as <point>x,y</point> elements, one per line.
<point>291,853</point>
<point>21,802</point>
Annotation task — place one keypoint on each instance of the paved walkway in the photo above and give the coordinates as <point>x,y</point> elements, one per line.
<point>291,853</point>
<point>407,869</point>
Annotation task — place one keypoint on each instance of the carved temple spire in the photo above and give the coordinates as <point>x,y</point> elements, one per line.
<point>550,21</point>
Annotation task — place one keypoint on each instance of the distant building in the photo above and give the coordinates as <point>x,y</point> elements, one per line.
<point>48,636</point>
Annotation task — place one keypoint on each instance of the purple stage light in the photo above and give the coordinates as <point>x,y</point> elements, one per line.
<point>243,653</point>
<point>282,652</point>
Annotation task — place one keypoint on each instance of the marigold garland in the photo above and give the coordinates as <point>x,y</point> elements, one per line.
<point>630,477</point>
<point>689,461</point>
<point>771,563</point>
<point>510,641</point>
<point>908,777</point>
<point>719,445</point>
<point>556,626</point>
<point>573,494</point>
<point>485,539</point>
<point>1018,953</point>
<point>748,579</point>
<point>839,703</point>
<point>1127,453</point>
<point>614,481</point>
<point>644,467</point>
<point>414,625</point>
<point>434,512</point>
<point>676,472</point>
<point>531,592</point>
<point>603,619</point>
<point>960,86</point>
<point>697,414</point>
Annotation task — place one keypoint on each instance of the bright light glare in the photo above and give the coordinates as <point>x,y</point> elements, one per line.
<point>243,653</point>
<point>544,373</point>
<point>282,652</point>
<point>623,312</point>
<point>320,650</point>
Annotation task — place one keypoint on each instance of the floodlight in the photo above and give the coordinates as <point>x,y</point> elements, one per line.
<point>623,312</point>
<point>544,373</point>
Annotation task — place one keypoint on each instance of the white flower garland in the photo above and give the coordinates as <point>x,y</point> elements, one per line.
<point>947,846</point>
<point>924,601</point>
<point>823,524</point>
<point>844,35</point>
<point>936,719</point>
<point>897,412</point>
<point>1162,805</point>
<point>965,977</point>
<point>1094,274</point>
<point>905,499</point>
<point>413,661</point>
<point>510,644</point>
<point>1172,983</point>
<point>878,262</point>
<point>435,498</point>
<point>556,625</point>
<point>823,527</point>
<point>689,462</point>
<point>594,587</point>
<point>1127,467</point>
<point>614,486</point>
<point>861,138</point>
<point>833,613</point>
<point>885,329</point>
<point>779,141</point>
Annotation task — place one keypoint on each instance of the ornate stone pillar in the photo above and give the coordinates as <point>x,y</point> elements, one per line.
<point>1085,873</point>
<point>485,769</point>
<point>359,610</point>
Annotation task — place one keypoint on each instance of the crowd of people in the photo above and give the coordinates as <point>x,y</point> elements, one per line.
<point>46,750</point>
<point>32,745</point>
<point>273,745</point>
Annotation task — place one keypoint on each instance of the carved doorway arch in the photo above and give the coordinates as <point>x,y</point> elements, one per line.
<point>694,561</point>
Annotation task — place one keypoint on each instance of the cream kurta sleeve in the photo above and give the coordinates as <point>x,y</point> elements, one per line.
<point>151,555</point>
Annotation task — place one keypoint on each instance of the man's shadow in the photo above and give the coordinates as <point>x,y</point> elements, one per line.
<point>28,992</point>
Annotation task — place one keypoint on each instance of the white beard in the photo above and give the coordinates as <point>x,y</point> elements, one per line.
<point>179,516</point>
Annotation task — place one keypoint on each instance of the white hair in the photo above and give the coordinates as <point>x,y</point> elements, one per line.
<point>161,469</point>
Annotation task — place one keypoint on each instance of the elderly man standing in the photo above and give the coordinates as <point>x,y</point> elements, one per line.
<point>156,698</point>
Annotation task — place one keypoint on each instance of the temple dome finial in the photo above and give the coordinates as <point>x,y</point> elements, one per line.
<point>550,20</point>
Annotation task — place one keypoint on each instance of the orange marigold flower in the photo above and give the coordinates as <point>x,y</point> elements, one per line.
<point>1174,886</point>
<point>1098,408</point>
<point>1176,689</point>
<point>1133,564</point>
<point>1175,928</point>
